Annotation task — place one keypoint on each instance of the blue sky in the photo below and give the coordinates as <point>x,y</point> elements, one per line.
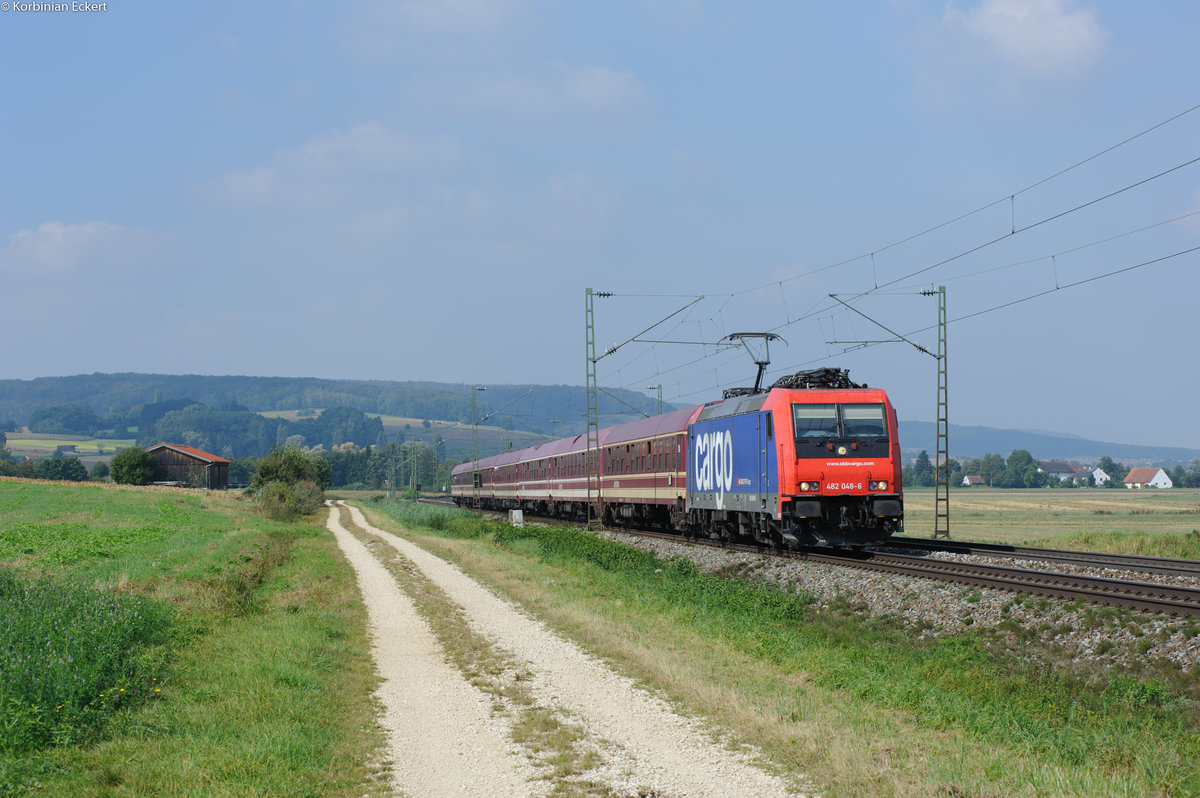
<point>422,190</point>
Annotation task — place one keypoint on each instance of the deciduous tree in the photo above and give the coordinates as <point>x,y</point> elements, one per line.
<point>991,468</point>
<point>62,468</point>
<point>1115,471</point>
<point>132,467</point>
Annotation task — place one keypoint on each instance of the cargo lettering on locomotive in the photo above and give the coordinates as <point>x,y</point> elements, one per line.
<point>714,463</point>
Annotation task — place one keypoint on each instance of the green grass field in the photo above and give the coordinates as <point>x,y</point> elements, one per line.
<point>259,684</point>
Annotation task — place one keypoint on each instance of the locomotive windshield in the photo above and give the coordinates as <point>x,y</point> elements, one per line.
<point>863,421</point>
<point>815,421</point>
<point>822,423</point>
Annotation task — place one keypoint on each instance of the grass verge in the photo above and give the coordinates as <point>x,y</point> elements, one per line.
<point>72,655</point>
<point>266,673</point>
<point>859,704</point>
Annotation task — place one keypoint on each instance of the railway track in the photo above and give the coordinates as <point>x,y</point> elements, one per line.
<point>1088,559</point>
<point>1143,596</point>
<point>1136,595</point>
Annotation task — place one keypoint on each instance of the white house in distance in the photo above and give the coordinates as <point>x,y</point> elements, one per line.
<point>1100,476</point>
<point>1148,478</point>
<point>1057,469</point>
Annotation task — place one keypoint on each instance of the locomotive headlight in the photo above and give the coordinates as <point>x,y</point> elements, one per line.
<point>842,450</point>
<point>881,485</point>
<point>807,486</point>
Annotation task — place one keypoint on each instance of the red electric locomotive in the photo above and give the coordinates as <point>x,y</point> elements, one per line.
<point>813,459</point>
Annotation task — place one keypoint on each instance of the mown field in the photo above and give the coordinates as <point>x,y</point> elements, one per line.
<point>1083,519</point>
<point>175,643</point>
<point>38,445</point>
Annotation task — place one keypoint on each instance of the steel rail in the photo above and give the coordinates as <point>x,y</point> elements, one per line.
<point>1088,559</point>
<point>1144,596</point>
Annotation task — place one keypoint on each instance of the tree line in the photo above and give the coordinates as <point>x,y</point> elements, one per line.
<point>231,431</point>
<point>20,399</point>
<point>1020,470</point>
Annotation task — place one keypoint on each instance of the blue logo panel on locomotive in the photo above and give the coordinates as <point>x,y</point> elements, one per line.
<point>731,464</point>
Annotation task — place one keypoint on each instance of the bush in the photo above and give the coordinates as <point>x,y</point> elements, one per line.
<point>276,500</point>
<point>308,497</point>
<point>287,483</point>
<point>132,467</point>
<point>288,465</point>
<point>283,502</point>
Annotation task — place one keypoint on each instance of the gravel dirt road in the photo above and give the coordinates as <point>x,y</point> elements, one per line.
<point>445,739</point>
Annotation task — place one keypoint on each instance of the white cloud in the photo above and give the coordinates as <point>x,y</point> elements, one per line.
<point>328,166</point>
<point>433,30</point>
<point>578,206</point>
<point>452,16</point>
<point>677,14</point>
<point>255,185</point>
<point>58,248</point>
<point>598,88</point>
<point>690,166</point>
<point>368,147</point>
<point>226,41</point>
<point>561,87</point>
<point>386,221</point>
<point>1037,38</point>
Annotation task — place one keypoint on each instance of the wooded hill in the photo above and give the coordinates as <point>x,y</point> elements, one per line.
<point>547,409</point>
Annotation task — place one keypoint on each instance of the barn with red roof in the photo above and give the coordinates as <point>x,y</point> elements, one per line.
<point>177,464</point>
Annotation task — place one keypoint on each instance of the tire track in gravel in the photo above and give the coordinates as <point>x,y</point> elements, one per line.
<point>649,749</point>
<point>443,739</point>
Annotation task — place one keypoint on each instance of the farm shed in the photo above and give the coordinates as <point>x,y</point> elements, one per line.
<point>188,465</point>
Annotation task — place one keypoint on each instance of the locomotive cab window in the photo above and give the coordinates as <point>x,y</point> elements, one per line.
<point>863,421</point>
<point>861,427</point>
<point>815,421</point>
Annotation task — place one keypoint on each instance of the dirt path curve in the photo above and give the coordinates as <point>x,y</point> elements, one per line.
<point>443,738</point>
<point>648,748</point>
